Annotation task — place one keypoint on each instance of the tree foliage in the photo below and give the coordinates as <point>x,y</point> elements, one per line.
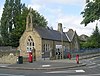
<point>93,41</point>
<point>13,21</point>
<point>5,21</point>
<point>17,32</point>
<point>91,12</point>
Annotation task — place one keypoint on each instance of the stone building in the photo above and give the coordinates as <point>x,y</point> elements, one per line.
<point>45,42</point>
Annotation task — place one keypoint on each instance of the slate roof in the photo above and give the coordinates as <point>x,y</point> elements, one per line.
<point>46,33</point>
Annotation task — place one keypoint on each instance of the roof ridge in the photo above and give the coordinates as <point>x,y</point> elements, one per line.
<point>50,34</point>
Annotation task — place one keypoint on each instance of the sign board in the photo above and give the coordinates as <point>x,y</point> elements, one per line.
<point>58,46</point>
<point>29,51</point>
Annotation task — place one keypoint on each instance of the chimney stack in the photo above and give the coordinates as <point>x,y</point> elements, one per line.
<point>60,27</point>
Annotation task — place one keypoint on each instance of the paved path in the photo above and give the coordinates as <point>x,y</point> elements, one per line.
<point>46,65</point>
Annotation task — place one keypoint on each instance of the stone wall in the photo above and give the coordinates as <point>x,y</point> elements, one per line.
<point>8,59</point>
<point>8,56</point>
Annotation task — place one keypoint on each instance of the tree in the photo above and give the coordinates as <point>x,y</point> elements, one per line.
<point>5,23</point>
<point>9,19</point>
<point>38,20</point>
<point>0,35</point>
<point>11,7</point>
<point>91,12</point>
<point>17,13</point>
<point>94,40</point>
<point>13,21</point>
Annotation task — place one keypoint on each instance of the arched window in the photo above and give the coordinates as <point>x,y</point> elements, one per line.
<point>30,44</point>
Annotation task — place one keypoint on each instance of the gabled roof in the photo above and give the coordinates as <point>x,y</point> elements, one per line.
<point>46,33</point>
<point>70,34</point>
<point>51,34</point>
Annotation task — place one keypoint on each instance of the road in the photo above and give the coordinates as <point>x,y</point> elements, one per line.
<point>92,69</point>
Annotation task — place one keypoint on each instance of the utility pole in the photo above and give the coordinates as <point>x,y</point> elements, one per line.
<point>62,50</point>
<point>60,28</point>
<point>62,43</point>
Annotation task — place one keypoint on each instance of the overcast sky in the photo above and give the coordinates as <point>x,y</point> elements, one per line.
<point>66,12</point>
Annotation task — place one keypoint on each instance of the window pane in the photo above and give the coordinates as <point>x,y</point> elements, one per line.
<point>30,43</point>
<point>30,49</point>
<point>33,43</point>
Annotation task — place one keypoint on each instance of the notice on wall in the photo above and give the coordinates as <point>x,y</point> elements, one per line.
<point>58,46</point>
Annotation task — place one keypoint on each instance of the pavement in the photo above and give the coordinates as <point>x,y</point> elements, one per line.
<point>44,65</point>
<point>49,64</point>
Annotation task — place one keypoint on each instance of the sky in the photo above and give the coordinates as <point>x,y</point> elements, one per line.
<point>66,12</point>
